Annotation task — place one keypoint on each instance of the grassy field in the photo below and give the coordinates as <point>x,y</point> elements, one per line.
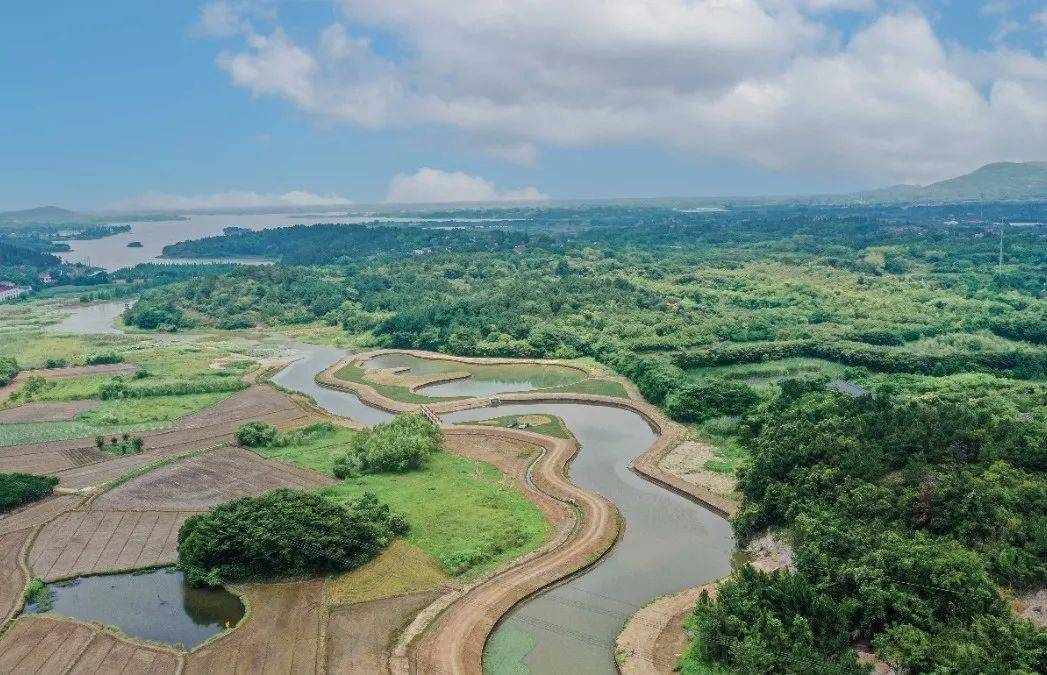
<point>597,386</point>
<point>547,425</point>
<point>463,514</point>
<point>354,373</point>
<point>767,372</point>
<point>111,418</point>
<point>400,569</point>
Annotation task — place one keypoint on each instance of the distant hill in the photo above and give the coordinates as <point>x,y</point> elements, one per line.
<point>43,214</point>
<point>1002,181</point>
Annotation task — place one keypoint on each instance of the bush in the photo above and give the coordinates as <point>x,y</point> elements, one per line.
<point>712,398</point>
<point>103,358</point>
<point>8,370</point>
<point>285,533</point>
<point>405,444</point>
<point>18,488</point>
<point>55,363</point>
<point>256,434</point>
<point>124,445</point>
<point>118,387</point>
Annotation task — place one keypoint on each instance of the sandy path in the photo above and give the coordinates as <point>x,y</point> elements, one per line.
<point>654,637</point>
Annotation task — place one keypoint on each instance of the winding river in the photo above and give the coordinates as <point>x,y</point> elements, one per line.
<point>670,543</point>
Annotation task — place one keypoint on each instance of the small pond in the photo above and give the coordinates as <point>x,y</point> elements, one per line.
<point>157,605</point>
<point>92,319</point>
<point>483,380</point>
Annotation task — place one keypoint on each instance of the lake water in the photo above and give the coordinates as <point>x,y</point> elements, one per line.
<point>93,319</point>
<point>670,543</point>
<point>483,380</point>
<point>111,253</point>
<point>157,605</point>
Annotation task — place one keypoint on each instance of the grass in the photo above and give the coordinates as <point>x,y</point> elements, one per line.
<point>507,651</point>
<point>767,372</point>
<point>111,418</point>
<point>354,373</point>
<point>547,425</point>
<point>400,569</point>
<point>721,432</point>
<point>41,432</point>
<point>597,386</point>
<point>65,389</point>
<point>462,512</point>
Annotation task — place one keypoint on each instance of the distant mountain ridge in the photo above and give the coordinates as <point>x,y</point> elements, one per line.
<point>42,214</point>
<point>1000,181</point>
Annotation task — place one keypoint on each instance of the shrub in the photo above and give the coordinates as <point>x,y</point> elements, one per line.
<point>103,358</point>
<point>256,434</point>
<point>125,445</point>
<point>55,363</point>
<point>404,444</point>
<point>8,370</point>
<point>712,398</point>
<point>118,387</point>
<point>285,533</point>
<point>18,488</point>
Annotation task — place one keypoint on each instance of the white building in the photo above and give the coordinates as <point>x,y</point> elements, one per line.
<point>9,291</point>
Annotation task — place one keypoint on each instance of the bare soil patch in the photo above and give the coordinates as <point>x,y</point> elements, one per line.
<point>654,637</point>
<point>47,411</point>
<point>89,542</point>
<point>12,578</point>
<point>1033,606</point>
<point>199,483</point>
<point>359,636</point>
<point>687,461</point>
<point>281,634</point>
<point>37,513</point>
<point>39,644</point>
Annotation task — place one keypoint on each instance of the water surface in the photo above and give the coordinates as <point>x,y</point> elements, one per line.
<point>93,319</point>
<point>483,380</point>
<point>301,376</point>
<point>157,605</point>
<point>670,543</point>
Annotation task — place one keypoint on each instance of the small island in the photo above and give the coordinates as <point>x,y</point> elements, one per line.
<point>134,244</point>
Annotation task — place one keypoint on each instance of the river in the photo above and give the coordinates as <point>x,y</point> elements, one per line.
<point>669,543</point>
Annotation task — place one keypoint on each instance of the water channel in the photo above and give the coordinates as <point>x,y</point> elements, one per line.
<point>670,543</point>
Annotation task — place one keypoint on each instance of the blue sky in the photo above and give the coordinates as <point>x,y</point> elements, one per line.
<point>104,103</point>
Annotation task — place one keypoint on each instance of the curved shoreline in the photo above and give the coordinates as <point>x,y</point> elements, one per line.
<point>450,636</point>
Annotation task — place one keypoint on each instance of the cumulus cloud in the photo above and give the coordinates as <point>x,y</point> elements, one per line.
<point>233,199</point>
<point>434,185</point>
<point>764,81</point>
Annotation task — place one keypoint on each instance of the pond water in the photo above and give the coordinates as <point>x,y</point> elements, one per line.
<point>93,319</point>
<point>157,605</point>
<point>670,543</point>
<point>483,380</point>
<point>300,376</point>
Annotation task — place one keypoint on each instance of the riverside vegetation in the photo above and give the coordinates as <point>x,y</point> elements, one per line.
<point>916,512</point>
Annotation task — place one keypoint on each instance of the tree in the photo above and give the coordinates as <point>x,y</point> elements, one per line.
<point>282,534</point>
<point>404,444</point>
<point>256,434</point>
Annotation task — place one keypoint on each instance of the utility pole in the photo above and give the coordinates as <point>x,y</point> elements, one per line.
<point>1000,262</point>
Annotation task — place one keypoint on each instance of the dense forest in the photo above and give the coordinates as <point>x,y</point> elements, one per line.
<point>915,511</point>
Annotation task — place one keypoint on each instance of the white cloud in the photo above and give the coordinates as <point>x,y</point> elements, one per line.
<point>225,18</point>
<point>233,199</point>
<point>764,81</point>
<point>434,185</point>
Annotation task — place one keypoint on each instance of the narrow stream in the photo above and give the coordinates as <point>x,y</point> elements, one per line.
<point>670,543</point>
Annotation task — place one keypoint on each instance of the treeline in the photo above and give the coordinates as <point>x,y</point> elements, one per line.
<point>907,514</point>
<point>324,244</point>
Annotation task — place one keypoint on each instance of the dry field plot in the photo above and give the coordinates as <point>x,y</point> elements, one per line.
<point>37,513</point>
<point>359,636</point>
<point>47,411</point>
<point>202,482</point>
<point>38,644</point>
<point>87,542</point>
<point>12,580</point>
<point>75,459</point>
<point>282,634</point>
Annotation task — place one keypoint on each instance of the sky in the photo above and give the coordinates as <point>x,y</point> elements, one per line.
<point>146,104</point>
